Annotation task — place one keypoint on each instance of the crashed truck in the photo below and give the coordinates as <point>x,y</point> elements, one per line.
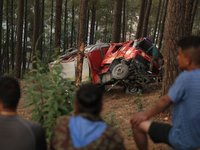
<point>124,64</point>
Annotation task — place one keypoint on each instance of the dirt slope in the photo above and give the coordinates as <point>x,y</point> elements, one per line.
<point>120,106</point>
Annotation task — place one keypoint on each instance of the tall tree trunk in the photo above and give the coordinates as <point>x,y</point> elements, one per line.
<point>146,19</point>
<point>141,18</point>
<point>117,21</point>
<point>188,14</point>
<point>65,26</point>
<point>1,15</point>
<point>72,27</point>
<point>6,60</point>
<point>77,35</point>
<point>41,31</point>
<point>162,27</point>
<point>155,28</point>
<point>130,29</point>
<point>25,40</point>
<point>35,31</point>
<point>160,20</point>
<point>51,35</point>
<point>81,44</point>
<point>87,22</point>
<point>124,20</point>
<point>19,39</point>
<point>193,13</point>
<point>174,30</point>
<point>92,24</point>
<point>58,26</point>
<point>12,38</point>
<point>106,29</point>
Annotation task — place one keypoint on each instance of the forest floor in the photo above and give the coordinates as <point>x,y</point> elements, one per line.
<point>118,108</point>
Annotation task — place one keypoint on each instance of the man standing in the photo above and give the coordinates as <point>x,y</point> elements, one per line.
<point>15,132</point>
<point>153,51</point>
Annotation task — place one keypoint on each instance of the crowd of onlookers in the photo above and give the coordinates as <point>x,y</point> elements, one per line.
<point>86,130</point>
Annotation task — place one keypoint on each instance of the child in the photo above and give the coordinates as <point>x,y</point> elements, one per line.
<point>86,130</point>
<point>184,134</point>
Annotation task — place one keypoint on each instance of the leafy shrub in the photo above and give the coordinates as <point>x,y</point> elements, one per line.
<point>49,96</point>
<point>110,119</point>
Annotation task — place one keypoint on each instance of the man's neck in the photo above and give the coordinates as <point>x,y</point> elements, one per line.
<point>8,112</point>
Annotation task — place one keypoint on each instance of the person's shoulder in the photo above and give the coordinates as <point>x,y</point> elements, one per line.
<point>36,128</point>
<point>183,75</point>
<point>30,123</point>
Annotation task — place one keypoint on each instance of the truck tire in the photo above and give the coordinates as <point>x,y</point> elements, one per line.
<point>120,71</point>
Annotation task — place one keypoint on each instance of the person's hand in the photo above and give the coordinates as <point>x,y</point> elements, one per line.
<point>138,118</point>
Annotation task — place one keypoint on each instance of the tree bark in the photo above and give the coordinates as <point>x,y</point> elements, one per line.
<point>188,14</point>
<point>19,39</point>
<point>81,45</point>
<point>146,19</point>
<point>12,38</point>
<point>141,18</point>
<point>92,24</point>
<point>162,27</point>
<point>6,59</point>
<point>51,35</point>
<point>174,30</point>
<point>1,15</point>
<point>124,20</point>
<point>41,31</point>
<point>155,28</point>
<point>77,35</point>
<point>193,13</point>
<point>72,26</point>
<point>160,20</point>
<point>65,26</point>
<point>25,41</point>
<point>58,26</point>
<point>87,22</point>
<point>35,31</point>
<point>117,21</point>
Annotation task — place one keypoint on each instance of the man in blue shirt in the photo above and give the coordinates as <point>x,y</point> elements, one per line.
<point>184,134</point>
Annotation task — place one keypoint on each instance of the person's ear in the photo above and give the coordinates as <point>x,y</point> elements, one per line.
<point>188,61</point>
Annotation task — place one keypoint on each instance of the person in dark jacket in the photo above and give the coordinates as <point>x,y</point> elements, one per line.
<point>17,133</point>
<point>153,51</point>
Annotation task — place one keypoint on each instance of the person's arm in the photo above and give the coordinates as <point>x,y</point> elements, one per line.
<point>161,105</point>
<point>148,51</point>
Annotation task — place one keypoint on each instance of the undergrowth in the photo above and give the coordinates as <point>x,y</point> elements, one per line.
<point>138,101</point>
<point>111,119</point>
<point>49,96</point>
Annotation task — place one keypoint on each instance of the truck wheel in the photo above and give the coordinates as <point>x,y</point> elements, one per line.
<point>120,71</point>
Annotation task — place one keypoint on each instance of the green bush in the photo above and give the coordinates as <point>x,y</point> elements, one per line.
<point>49,96</point>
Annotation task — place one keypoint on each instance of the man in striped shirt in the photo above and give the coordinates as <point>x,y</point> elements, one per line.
<point>184,134</point>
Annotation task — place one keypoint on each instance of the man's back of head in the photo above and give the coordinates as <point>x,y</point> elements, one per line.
<point>16,132</point>
<point>9,92</point>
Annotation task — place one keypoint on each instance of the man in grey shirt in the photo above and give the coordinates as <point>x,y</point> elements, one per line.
<point>17,133</point>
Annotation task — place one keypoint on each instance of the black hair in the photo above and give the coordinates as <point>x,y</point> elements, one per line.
<point>192,45</point>
<point>89,99</point>
<point>9,92</point>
